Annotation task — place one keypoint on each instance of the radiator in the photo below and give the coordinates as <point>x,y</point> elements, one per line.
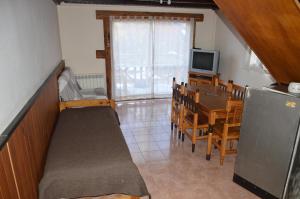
<point>92,80</point>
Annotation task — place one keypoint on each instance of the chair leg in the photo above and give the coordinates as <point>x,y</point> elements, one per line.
<point>194,139</point>
<point>172,126</point>
<point>175,126</point>
<point>231,144</point>
<point>223,151</point>
<point>223,144</point>
<point>209,143</point>
<point>221,161</point>
<point>219,143</point>
<point>183,128</point>
<point>201,132</point>
<point>180,123</point>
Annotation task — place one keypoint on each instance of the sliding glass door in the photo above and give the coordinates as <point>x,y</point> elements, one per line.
<point>132,59</point>
<point>172,43</point>
<point>147,54</point>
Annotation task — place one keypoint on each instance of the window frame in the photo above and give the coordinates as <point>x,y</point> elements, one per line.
<point>256,64</point>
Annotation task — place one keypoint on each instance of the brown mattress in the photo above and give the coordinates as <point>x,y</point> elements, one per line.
<point>88,156</point>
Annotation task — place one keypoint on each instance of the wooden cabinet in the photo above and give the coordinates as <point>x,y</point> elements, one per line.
<point>202,78</point>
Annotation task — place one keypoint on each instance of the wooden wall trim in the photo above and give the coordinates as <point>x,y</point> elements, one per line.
<point>8,188</point>
<point>23,155</point>
<point>13,125</point>
<point>100,54</point>
<point>106,30</point>
<point>194,34</point>
<point>100,14</point>
<point>13,171</point>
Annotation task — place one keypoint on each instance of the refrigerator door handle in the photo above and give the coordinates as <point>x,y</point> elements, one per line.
<point>292,163</point>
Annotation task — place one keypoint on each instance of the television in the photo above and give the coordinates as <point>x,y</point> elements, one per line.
<point>204,61</point>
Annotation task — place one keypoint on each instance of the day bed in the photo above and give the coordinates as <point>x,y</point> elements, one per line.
<point>88,156</point>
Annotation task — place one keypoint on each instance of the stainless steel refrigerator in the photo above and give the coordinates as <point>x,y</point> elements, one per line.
<point>268,157</point>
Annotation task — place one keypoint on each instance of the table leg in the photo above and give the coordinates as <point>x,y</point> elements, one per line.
<point>209,142</point>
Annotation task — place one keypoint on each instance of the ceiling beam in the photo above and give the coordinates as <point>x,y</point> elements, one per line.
<point>174,3</point>
<point>57,1</point>
<point>106,13</point>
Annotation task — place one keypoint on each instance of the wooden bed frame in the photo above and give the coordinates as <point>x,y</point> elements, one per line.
<point>28,136</point>
<point>86,103</point>
<point>128,197</point>
<point>115,196</point>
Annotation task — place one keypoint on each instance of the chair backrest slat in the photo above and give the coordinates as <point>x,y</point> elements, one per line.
<point>238,92</point>
<point>191,100</point>
<point>234,109</point>
<point>222,85</point>
<point>178,91</point>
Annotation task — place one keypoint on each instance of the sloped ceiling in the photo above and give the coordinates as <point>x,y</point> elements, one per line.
<point>272,29</point>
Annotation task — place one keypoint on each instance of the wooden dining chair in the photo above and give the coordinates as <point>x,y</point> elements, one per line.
<point>195,123</point>
<point>238,92</point>
<point>216,80</point>
<point>228,87</point>
<point>222,85</point>
<point>177,105</point>
<point>225,133</point>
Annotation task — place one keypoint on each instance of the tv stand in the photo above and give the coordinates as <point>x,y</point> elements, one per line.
<point>196,78</point>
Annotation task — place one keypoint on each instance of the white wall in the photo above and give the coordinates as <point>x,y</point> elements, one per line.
<point>29,51</point>
<point>234,57</point>
<point>81,34</point>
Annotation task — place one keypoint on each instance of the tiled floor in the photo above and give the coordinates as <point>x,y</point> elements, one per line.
<point>168,166</point>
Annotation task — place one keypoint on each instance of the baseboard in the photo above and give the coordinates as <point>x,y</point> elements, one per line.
<point>252,187</point>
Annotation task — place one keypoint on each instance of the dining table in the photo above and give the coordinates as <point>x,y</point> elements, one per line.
<point>213,100</point>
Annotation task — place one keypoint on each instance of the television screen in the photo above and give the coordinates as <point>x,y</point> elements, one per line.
<point>203,60</point>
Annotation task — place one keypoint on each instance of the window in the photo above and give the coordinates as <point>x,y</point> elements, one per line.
<point>147,54</point>
<point>255,63</point>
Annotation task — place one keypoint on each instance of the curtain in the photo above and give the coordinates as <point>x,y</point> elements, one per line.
<point>132,59</point>
<point>172,43</point>
<point>147,54</point>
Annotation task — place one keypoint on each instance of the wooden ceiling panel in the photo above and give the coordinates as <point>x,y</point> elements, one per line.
<point>272,29</point>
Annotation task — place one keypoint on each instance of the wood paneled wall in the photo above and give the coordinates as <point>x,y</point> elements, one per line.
<point>271,28</point>
<point>22,157</point>
<point>8,188</point>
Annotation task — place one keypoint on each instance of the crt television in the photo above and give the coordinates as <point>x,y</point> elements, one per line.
<point>204,61</point>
